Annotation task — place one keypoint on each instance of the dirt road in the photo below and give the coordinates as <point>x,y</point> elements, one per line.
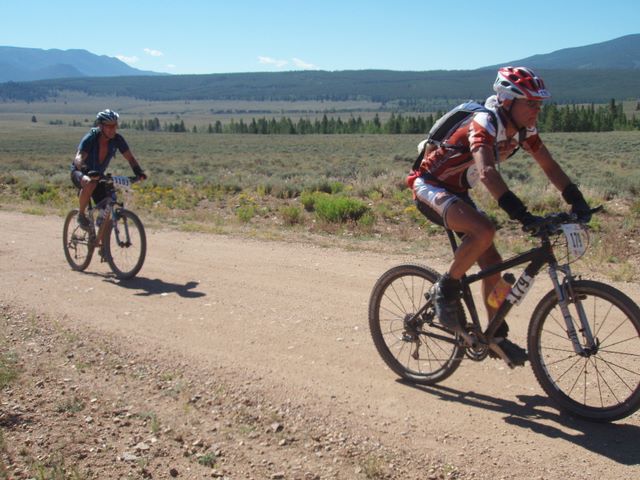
<point>293,318</point>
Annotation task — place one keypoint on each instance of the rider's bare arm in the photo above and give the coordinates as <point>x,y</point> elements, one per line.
<point>80,158</point>
<point>489,176</point>
<point>131,159</point>
<point>551,168</point>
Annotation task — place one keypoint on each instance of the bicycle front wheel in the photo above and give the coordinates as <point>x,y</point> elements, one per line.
<point>126,244</point>
<point>602,384</point>
<point>77,243</point>
<point>406,331</point>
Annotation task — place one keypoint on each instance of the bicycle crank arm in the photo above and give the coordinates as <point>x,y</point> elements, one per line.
<point>469,340</point>
<point>499,352</point>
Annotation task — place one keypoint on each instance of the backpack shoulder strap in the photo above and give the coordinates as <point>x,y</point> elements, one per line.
<point>445,125</point>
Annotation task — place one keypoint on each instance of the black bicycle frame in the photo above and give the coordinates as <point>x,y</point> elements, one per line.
<point>537,257</point>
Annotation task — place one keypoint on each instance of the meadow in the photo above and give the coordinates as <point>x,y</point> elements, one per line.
<point>321,188</point>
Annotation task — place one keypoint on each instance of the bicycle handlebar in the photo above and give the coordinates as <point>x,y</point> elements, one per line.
<point>116,180</point>
<point>552,223</point>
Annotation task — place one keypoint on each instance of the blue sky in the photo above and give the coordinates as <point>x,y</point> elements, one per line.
<point>223,36</point>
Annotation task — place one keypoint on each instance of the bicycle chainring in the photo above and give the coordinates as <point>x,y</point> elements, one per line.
<point>478,351</point>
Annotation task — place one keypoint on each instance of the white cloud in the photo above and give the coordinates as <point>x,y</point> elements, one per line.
<point>304,65</point>
<point>297,63</point>
<point>153,53</point>
<point>125,59</point>
<point>171,66</point>
<point>272,61</point>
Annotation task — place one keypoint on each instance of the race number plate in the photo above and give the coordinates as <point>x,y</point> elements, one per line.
<point>577,239</point>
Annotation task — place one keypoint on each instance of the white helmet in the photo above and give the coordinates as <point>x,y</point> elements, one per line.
<point>519,82</point>
<point>108,117</point>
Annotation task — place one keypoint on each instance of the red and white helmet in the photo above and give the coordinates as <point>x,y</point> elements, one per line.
<point>519,82</point>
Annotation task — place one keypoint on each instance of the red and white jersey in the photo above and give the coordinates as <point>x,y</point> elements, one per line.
<point>454,167</point>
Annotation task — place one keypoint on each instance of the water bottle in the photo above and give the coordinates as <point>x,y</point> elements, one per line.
<point>501,290</point>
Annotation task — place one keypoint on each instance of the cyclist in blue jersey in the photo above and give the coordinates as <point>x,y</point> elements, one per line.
<point>95,151</point>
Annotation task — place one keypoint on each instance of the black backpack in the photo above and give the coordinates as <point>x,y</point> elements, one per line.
<point>448,123</point>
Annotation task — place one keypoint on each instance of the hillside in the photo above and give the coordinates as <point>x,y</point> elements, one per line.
<point>27,64</point>
<point>591,74</point>
<point>621,53</point>
<point>406,91</point>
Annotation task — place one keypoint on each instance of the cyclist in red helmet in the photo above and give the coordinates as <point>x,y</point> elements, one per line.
<point>469,155</point>
<point>95,151</point>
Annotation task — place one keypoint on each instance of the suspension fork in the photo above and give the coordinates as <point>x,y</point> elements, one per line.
<point>566,295</point>
<point>115,219</point>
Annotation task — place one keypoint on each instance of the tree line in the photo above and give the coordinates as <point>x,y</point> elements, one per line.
<point>553,118</point>
<point>412,91</point>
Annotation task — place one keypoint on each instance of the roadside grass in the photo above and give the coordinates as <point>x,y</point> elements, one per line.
<point>8,368</point>
<point>325,184</point>
<point>55,469</point>
<point>70,405</point>
<point>151,419</point>
<point>374,468</point>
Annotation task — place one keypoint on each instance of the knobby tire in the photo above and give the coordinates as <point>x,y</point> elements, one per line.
<point>77,243</point>
<point>417,349</point>
<point>603,386</point>
<point>126,261</point>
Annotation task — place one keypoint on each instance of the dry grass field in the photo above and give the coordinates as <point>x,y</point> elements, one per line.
<point>267,185</point>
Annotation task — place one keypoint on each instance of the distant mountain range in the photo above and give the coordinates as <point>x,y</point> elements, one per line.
<point>619,54</point>
<point>26,64</point>
<point>592,74</point>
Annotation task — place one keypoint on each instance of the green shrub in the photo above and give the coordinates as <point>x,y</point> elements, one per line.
<point>41,193</point>
<point>245,213</point>
<point>336,187</point>
<point>291,215</point>
<point>368,219</point>
<point>287,190</point>
<point>308,200</point>
<point>339,209</point>
<point>208,460</point>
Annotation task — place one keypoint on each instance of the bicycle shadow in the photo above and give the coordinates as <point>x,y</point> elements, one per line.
<point>156,286</point>
<point>615,441</point>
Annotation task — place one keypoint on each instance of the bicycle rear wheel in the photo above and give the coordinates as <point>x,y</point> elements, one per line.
<point>126,244</point>
<point>604,384</point>
<point>415,347</point>
<point>77,243</point>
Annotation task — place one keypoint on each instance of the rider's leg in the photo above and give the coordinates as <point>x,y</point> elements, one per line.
<point>488,258</point>
<point>85,196</point>
<point>514,353</point>
<point>478,236</point>
<point>85,187</point>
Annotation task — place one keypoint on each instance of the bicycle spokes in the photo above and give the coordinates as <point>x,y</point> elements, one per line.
<point>126,243</point>
<point>78,244</point>
<point>402,326</point>
<point>601,380</point>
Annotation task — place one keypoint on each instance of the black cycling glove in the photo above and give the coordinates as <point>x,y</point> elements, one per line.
<point>139,172</point>
<point>516,210</point>
<point>579,206</point>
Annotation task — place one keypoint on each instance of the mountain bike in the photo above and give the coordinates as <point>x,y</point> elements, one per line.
<point>119,237</point>
<point>583,336</point>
